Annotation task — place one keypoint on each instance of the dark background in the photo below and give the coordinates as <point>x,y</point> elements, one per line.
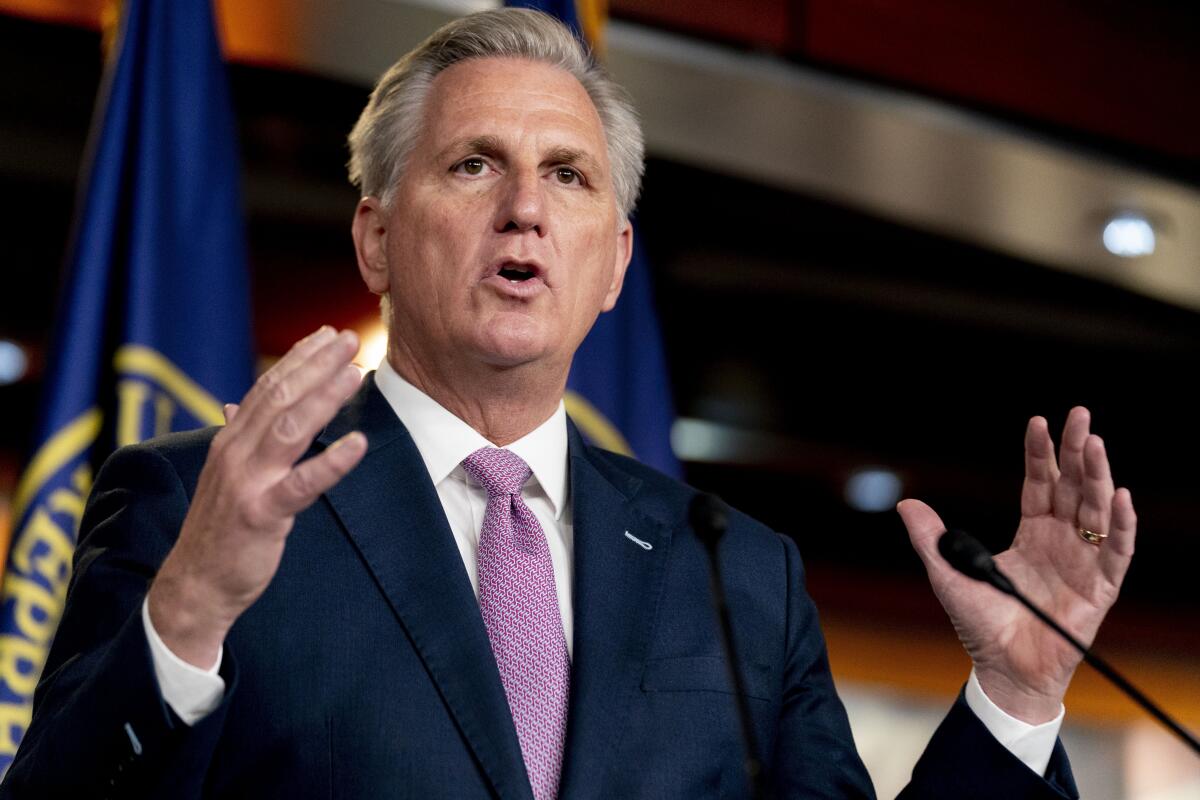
<point>842,339</point>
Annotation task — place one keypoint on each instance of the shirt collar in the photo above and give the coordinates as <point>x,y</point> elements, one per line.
<point>444,440</point>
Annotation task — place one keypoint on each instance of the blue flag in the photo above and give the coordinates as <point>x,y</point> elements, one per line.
<point>618,392</point>
<point>153,332</point>
<point>585,17</point>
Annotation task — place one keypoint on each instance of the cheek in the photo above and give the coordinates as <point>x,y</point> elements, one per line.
<point>601,249</point>
<point>430,249</point>
<point>454,227</point>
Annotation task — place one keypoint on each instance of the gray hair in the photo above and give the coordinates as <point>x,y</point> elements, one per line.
<point>389,126</point>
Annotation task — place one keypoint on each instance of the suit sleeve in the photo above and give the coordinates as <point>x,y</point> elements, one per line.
<point>963,759</point>
<point>815,754</point>
<point>100,726</point>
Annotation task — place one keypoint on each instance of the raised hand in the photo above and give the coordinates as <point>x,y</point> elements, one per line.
<point>1022,665</point>
<point>249,492</point>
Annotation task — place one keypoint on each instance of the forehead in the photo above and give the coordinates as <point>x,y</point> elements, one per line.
<point>510,97</point>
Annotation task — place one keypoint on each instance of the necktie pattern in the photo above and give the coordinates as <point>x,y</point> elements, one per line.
<point>521,614</point>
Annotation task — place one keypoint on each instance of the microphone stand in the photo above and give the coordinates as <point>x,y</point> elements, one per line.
<point>968,556</point>
<point>709,520</point>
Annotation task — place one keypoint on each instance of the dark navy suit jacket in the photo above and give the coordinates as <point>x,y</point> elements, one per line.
<point>364,671</point>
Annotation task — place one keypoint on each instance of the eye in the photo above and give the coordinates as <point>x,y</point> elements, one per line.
<point>471,166</point>
<point>566,175</point>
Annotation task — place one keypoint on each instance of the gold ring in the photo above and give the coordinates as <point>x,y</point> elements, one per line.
<point>1091,537</point>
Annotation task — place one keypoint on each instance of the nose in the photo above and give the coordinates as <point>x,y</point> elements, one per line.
<point>521,207</point>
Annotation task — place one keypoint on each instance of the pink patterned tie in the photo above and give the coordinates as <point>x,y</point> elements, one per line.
<point>520,611</point>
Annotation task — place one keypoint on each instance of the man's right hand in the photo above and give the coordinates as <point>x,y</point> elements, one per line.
<point>249,492</point>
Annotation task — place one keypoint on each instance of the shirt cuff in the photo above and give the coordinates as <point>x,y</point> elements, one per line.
<point>191,692</point>
<point>1032,744</point>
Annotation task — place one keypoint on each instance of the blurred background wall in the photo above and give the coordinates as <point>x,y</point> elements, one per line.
<point>883,234</point>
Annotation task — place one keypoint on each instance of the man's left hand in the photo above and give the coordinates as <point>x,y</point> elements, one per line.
<point>1023,666</point>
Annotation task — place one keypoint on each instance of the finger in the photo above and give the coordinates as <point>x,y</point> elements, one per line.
<point>306,348</point>
<point>293,428</point>
<point>279,391</point>
<point>1041,470</point>
<point>300,352</point>
<point>302,349</point>
<point>1095,511</point>
<point>924,527</point>
<point>309,479</point>
<point>1117,549</point>
<point>230,411</point>
<point>1068,491</point>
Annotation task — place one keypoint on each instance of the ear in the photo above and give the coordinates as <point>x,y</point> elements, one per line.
<point>369,230</point>
<point>620,264</point>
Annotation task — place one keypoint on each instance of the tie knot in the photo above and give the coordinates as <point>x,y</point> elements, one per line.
<point>500,472</point>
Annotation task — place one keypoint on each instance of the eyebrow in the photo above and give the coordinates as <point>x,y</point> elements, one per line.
<point>487,145</point>
<point>492,146</point>
<point>573,157</point>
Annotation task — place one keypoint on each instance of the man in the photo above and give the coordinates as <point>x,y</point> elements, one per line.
<point>401,609</point>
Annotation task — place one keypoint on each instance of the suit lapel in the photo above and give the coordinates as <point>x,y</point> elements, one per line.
<point>617,584</point>
<point>392,514</point>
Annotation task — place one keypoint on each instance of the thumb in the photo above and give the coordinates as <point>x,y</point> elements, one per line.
<point>924,527</point>
<point>230,410</point>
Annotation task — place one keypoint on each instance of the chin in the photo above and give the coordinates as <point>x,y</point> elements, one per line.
<point>514,344</point>
<point>513,355</point>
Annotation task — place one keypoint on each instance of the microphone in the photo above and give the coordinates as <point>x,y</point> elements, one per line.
<point>709,517</point>
<point>968,556</point>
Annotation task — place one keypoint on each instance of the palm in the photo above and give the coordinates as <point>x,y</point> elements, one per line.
<point>1022,664</point>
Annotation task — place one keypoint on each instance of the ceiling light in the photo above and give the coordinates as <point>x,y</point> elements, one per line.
<point>873,489</point>
<point>1129,235</point>
<point>13,362</point>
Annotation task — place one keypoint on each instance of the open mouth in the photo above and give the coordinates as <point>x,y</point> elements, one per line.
<point>516,273</point>
<point>515,278</point>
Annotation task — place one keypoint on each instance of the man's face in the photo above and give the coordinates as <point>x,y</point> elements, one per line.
<point>502,243</point>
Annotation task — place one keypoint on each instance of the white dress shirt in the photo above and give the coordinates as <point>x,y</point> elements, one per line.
<point>443,441</point>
